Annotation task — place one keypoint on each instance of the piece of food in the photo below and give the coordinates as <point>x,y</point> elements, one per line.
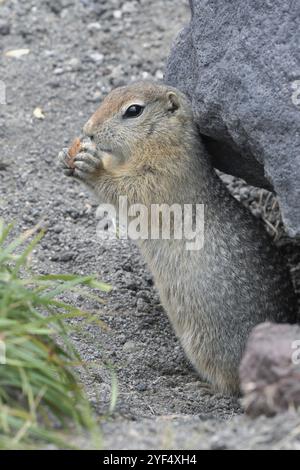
<point>73,151</point>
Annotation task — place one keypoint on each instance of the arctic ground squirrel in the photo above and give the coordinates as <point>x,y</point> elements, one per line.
<point>145,145</point>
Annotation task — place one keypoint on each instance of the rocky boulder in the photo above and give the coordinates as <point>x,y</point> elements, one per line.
<point>239,62</point>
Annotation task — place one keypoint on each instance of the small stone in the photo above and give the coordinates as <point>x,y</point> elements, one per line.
<point>49,53</point>
<point>141,387</point>
<point>99,9</point>
<point>94,27</point>
<point>159,75</point>
<point>129,346</point>
<point>117,14</point>
<point>74,63</point>
<point>58,228</point>
<point>129,7</point>
<point>4,28</point>
<point>95,97</point>
<point>58,71</point>
<point>127,267</point>
<point>64,257</point>
<point>55,83</point>
<point>217,444</point>
<point>122,338</point>
<point>140,305</point>
<point>96,57</point>
<point>56,6</point>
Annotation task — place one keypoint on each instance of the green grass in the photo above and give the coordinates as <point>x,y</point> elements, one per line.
<point>41,401</point>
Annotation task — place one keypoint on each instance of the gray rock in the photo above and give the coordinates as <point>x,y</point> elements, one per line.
<point>239,63</point>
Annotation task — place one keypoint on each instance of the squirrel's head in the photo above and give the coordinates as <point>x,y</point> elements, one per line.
<point>140,117</point>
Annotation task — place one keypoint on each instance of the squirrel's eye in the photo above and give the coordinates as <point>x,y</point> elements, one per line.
<point>133,111</point>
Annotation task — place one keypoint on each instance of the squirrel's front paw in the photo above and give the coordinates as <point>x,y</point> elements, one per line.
<point>86,165</point>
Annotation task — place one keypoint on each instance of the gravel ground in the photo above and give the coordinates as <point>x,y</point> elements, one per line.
<point>78,51</point>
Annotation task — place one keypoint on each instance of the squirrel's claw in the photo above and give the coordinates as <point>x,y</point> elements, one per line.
<point>63,158</point>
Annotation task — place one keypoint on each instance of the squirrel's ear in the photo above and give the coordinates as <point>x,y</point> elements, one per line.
<point>173,101</point>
